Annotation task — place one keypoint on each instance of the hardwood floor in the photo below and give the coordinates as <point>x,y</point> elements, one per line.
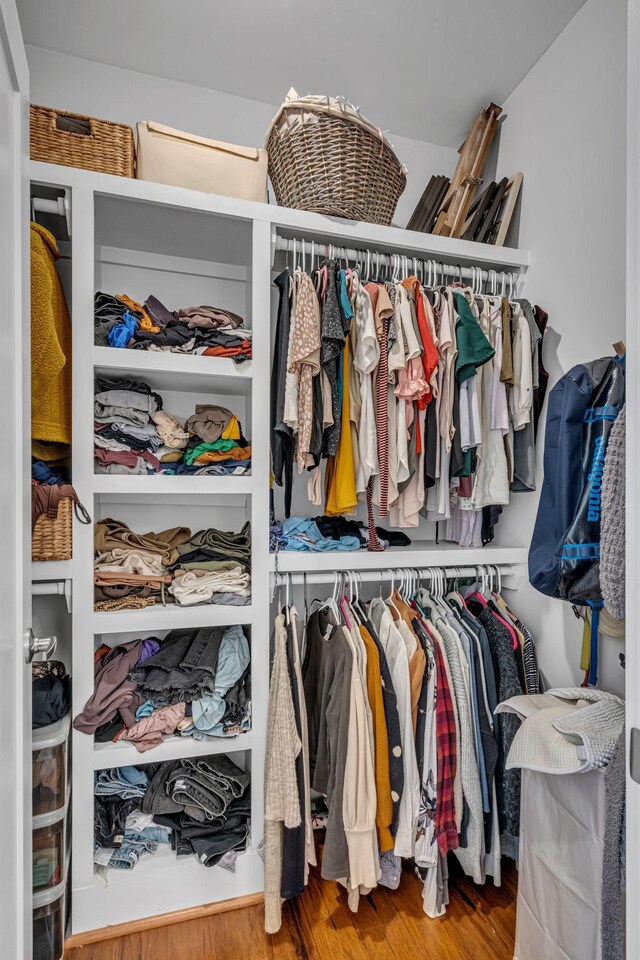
<point>390,925</point>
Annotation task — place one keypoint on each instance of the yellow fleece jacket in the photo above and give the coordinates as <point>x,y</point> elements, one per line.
<point>50,346</point>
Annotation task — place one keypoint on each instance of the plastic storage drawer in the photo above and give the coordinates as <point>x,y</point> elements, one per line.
<point>49,846</point>
<point>50,748</point>
<point>49,922</point>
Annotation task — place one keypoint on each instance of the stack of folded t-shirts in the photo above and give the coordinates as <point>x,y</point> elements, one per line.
<point>126,439</point>
<point>206,804</point>
<point>193,683</point>
<point>212,566</point>
<point>130,569</point>
<point>205,330</point>
<point>216,445</point>
<point>122,832</point>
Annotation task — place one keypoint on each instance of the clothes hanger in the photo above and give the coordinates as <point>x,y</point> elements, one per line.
<point>389,600</point>
<point>343,604</point>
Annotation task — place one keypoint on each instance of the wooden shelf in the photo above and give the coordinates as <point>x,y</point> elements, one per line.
<point>170,617</point>
<point>176,371</point>
<point>106,755</point>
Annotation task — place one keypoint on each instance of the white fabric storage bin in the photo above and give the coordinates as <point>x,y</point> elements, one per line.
<point>560,866</point>
<point>170,156</point>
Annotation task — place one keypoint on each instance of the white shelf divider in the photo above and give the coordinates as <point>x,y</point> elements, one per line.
<point>121,754</point>
<point>159,617</point>
<point>179,486</point>
<point>176,371</point>
<point>44,570</point>
<point>417,555</point>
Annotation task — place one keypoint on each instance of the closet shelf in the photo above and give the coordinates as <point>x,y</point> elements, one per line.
<point>174,371</point>
<point>170,617</point>
<point>181,486</point>
<point>50,570</point>
<point>106,755</point>
<point>421,555</point>
<point>288,222</point>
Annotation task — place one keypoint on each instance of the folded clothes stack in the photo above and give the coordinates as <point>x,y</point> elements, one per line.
<point>193,683</point>
<point>205,330</point>
<point>122,833</point>
<point>173,566</point>
<point>126,439</point>
<point>329,534</point>
<point>201,807</point>
<point>213,567</point>
<point>133,434</point>
<point>206,803</point>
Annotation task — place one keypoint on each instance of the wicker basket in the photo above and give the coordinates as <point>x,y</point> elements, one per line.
<point>332,163</point>
<point>107,148</point>
<point>52,539</point>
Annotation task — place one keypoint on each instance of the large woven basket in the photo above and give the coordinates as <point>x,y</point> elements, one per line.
<point>52,538</point>
<point>107,147</point>
<point>333,163</point>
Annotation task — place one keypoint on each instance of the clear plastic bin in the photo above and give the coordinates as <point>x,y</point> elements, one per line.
<point>49,922</point>
<point>50,746</point>
<point>49,846</point>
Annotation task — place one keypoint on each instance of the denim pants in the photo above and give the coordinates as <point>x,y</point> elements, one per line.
<point>125,782</point>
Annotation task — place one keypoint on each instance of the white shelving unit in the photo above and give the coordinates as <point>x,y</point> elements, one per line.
<point>181,243</point>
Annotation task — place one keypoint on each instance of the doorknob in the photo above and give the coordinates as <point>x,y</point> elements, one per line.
<point>33,645</point>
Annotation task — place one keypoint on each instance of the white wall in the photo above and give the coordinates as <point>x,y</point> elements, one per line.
<point>112,93</point>
<point>566,130</point>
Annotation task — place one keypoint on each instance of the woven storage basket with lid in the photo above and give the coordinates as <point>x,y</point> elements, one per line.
<point>326,158</point>
<point>74,140</point>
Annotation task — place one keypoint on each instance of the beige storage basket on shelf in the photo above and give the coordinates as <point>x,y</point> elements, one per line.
<point>170,156</point>
<point>78,141</point>
<point>51,538</point>
<point>326,158</point>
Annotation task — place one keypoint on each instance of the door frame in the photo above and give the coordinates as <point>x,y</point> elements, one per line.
<point>632,343</point>
<point>15,581</point>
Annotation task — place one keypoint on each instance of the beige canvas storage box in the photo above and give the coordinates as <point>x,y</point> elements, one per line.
<point>170,156</point>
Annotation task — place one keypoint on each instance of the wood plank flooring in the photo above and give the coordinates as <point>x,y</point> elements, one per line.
<point>390,925</point>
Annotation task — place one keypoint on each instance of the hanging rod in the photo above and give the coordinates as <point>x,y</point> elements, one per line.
<point>425,266</point>
<point>53,588</point>
<point>60,207</point>
<point>388,573</point>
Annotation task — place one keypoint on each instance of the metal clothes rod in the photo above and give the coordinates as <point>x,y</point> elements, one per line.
<point>426,265</point>
<point>388,573</point>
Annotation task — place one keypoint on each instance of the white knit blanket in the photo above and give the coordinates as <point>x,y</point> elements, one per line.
<point>566,730</point>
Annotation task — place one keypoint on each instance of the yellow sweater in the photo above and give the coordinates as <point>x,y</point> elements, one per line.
<point>50,347</point>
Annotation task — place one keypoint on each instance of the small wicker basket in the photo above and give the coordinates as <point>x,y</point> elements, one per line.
<point>106,147</point>
<point>51,539</point>
<point>325,158</point>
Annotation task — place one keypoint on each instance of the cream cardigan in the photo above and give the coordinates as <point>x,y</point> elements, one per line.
<point>281,800</point>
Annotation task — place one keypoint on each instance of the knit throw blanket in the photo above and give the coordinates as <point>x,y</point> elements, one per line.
<point>566,730</point>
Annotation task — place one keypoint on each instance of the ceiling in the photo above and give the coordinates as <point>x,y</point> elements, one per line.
<point>421,68</point>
